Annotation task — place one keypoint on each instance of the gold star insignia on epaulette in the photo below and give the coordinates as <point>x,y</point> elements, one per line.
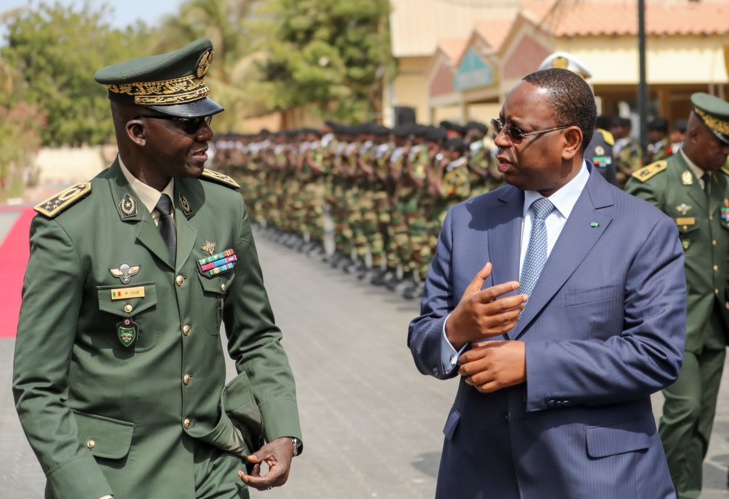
<point>649,171</point>
<point>55,205</point>
<point>219,178</point>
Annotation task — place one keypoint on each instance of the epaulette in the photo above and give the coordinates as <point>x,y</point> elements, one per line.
<point>649,171</point>
<point>725,169</point>
<point>607,136</point>
<point>57,204</point>
<point>219,178</point>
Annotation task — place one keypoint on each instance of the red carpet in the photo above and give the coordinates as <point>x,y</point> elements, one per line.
<point>14,254</point>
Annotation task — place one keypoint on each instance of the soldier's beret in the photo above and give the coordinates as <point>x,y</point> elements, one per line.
<point>477,125</point>
<point>171,83</point>
<point>455,145</point>
<point>564,60</point>
<point>658,125</point>
<point>714,112</point>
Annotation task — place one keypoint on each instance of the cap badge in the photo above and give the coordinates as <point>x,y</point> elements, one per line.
<point>560,63</point>
<point>204,62</point>
<point>125,272</point>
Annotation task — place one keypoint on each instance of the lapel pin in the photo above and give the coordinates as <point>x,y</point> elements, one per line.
<point>594,224</point>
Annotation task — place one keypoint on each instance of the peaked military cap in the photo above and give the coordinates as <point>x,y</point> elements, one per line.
<point>564,60</point>
<point>714,112</point>
<point>171,83</point>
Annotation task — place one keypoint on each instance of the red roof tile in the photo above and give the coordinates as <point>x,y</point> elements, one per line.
<point>620,17</point>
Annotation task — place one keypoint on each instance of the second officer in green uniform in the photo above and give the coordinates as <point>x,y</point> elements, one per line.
<point>692,188</point>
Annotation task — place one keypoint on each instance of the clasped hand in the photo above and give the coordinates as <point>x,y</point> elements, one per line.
<point>482,314</point>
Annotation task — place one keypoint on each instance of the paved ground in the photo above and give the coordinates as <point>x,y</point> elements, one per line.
<point>371,423</point>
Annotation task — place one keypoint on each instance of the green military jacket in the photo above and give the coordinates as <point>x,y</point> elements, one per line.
<point>105,418</point>
<point>704,231</point>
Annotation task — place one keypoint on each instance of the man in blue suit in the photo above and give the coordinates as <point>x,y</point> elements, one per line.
<point>561,303</point>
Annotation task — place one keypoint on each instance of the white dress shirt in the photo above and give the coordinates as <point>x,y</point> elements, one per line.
<point>564,201</point>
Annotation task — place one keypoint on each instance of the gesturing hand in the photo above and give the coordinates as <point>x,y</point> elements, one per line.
<point>481,314</point>
<point>277,455</point>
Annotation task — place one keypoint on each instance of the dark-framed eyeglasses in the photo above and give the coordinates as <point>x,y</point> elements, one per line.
<point>514,134</point>
<point>188,125</point>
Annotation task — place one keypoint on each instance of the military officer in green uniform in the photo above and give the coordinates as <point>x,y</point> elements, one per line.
<point>119,374</point>
<point>692,188</point>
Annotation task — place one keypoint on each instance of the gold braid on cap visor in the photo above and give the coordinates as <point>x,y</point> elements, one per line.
<point>176,91</point>
<point>712,122</point>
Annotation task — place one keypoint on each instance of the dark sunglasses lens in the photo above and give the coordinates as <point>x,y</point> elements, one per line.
<point>192,125</point>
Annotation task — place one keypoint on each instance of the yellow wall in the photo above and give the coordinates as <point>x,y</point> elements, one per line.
<point>410,87</point>
<point>670,60</point>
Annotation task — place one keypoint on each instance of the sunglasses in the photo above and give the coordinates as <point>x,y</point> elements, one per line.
<point>514,134</point>
<point>188,125</point>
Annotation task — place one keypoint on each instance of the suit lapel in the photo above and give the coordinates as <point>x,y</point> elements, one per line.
<point>581,231</point>
<point>506,221</point>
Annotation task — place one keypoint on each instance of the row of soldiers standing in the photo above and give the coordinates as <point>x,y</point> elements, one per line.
<point>385,191</point>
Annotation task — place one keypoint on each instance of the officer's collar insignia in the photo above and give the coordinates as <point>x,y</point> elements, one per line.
<point>599,151</point>
<point>125,272</point>
<point>128,207</point>
<point>684,208</point>
<point>185,205</point>
<point>209,248</point>
<point>685,243</point>
<point>127,331</point>
<point>687,178</point>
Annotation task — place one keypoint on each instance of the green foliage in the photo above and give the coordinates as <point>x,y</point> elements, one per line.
<point>332,53</point>
<point>20,137</point>
<point>56,50</point>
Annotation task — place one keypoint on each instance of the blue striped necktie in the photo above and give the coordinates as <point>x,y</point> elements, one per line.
<point>536,255</point>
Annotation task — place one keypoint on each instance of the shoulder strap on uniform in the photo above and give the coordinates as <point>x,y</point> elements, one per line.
<point>725,169</point>
<point>607,136</point>
<point>219,178</point>
<point>649,171</point>
<point>55,205</point>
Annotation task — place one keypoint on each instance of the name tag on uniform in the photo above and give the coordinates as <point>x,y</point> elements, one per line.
<point>126,293</point>
<point>686,221</point>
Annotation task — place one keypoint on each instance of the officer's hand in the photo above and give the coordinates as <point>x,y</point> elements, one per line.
<point>277,455</point>
<point>480,314</point>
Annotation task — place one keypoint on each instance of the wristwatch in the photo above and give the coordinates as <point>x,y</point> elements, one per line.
<point>297,445</point>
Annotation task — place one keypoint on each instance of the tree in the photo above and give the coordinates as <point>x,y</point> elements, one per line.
<point>56,50</point>
<point>332,53</point>
<point>20,129</point>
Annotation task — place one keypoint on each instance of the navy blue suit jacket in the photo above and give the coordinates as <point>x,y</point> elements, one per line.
<point>604,328</point>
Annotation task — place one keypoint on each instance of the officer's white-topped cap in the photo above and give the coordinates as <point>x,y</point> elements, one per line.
<point>563,60</point>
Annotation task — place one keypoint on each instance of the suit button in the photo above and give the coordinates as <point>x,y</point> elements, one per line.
<point>186,379</point>
<point>187,423</point>
<point>505,418</point>
<point>551,403</point>
<point>186,330</point>
<point>90,444</point>
<point>128,308</point>
<point>223,287</point>
<point>179,280</point>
